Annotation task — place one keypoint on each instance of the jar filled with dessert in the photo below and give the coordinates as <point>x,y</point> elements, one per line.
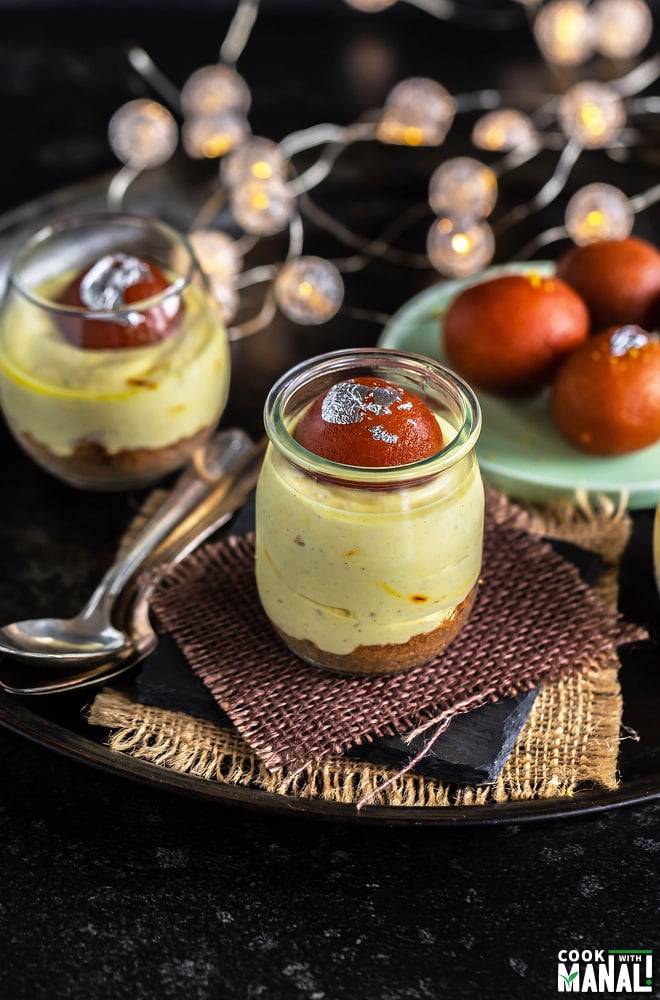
<point>370,510</point>
<point>114,360</point>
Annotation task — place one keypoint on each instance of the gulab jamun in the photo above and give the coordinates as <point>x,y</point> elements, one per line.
<point>618,279</point>
<point>606,396</point>
<point>369,422</point>
<point>113,283</point>
<point>509,335</point>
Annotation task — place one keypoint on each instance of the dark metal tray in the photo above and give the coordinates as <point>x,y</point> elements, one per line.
<point>57,541</point>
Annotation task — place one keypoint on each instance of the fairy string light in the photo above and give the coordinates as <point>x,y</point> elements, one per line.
<point>266,194</point>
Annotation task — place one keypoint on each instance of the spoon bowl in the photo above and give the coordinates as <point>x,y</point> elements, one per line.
<point>63,639</point>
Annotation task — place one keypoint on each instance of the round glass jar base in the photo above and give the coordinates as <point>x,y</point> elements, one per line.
<point>91,467</point>
<point>114,360</point>
<point>388,658</point>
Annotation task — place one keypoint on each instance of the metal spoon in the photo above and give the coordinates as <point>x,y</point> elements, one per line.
<point>131,612</point>
<point>90,635</point>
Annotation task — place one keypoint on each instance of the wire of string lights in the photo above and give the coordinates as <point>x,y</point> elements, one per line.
<point>266,194</point>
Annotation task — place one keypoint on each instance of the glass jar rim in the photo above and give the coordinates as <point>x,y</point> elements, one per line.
<point>91,220</point>
<point>346,359</point>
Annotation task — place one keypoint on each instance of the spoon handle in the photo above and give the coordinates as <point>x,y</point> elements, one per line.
<point>204,476</point>
<point>132,610</point>
<point>189,533</point>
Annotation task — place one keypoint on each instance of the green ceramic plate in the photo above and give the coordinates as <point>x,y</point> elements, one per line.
<point>520,451</point>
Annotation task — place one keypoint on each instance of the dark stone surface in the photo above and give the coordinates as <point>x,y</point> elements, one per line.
<point>110,890</point>
<point>473,749</point>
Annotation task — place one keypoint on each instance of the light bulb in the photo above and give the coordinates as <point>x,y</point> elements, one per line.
<point>622,27</point>
<point>216,252</point>
<point>309,290</point>
<point>212,136</point>
<point>418,112</point>
<point>598,212</point>
<point>370,6</point>
<point>143,134</point>
<point>458,250</point>
<point>213,89</point>
<point>262,208</point>
<point>593,113</point>
<point>258,159</point>
<point>464,188</point>
<point>564,32</point>
<point>506,129</point>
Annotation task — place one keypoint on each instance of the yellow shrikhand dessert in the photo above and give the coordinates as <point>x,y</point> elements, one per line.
<point>115,414</point>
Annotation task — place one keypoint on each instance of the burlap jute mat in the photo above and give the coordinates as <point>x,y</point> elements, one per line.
<point>571,737</point>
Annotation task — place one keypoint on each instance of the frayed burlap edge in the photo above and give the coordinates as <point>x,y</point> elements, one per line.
<point>569,740</point>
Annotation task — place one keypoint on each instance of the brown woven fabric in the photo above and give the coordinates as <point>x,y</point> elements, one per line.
<point>604,529</point>
<point>570,740</point>
<point>534,621</point>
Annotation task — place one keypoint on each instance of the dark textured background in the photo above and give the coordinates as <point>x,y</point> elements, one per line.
<point>109,890</point>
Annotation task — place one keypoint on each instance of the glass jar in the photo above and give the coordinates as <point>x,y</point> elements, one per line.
<point>369,570</point>
<point>103,387</point>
